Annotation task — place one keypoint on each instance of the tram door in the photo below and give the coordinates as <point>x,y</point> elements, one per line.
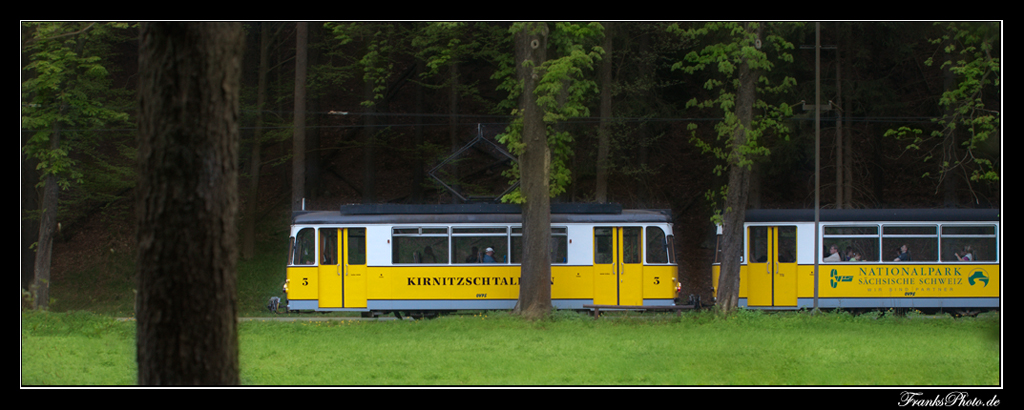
<point>618,266</point>
<point>342,268</point>
<point>771,266</point>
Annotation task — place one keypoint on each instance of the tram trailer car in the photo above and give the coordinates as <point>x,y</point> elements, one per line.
<point>426,259</point>
<point>951,261</point>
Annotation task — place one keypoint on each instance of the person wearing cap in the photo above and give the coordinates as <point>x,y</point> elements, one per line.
<point>489,256</point>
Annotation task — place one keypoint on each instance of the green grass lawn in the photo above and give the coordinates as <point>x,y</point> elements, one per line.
<point>698,349</point>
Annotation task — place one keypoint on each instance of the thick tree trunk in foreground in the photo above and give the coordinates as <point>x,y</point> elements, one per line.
<point>534,168</point>
<point>187,202</point>
<point>736,198</point>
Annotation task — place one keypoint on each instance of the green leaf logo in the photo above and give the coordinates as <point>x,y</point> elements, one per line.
<point>978,275</point>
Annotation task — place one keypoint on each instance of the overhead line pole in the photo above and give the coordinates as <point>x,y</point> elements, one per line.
<point>817,150</point>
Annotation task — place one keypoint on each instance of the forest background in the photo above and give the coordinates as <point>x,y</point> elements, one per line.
<point>387,102</point>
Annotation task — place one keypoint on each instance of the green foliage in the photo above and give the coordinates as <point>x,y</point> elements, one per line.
<point>969,46</point>
<point>563,92</point>
<point>66,86</point>
<point>975,69</point>
<point>444,43</point>
<point>728,45</point>
<point>380,42</point>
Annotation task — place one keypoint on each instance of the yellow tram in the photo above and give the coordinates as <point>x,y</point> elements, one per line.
<point>924,259</point>
<point>424,259</point>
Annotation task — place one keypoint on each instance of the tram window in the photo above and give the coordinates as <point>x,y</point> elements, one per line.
<point>429,245</point>
<point>559,245</point>
<point>329,246</point>
<point>962,230</point>
<point>357,246</point>
<point>631,244</point>
<point>718,248</point>
<point>851,247</point>
<point>977,243</point>
<point>855,243</point>
<point>603,245</point>
<point>469,244</point>
<point>922,242</point>
<point>671,249</point>
<point>499,230</point>
<point>657,247</point>
<point>758,244</point>
<point>920,249</point>
<point>787,244</point>
<point>851,230</point>
<point>908,230</point>
<point>304,247</point>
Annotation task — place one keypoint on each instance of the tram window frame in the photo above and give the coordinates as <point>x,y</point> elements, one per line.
<point>465,238</point>
<point>420,237</point>
<point>983,241</point>
<point>864,239</point>
<point>558,246</point>
<point>301,244</point>
<point>922,245</point>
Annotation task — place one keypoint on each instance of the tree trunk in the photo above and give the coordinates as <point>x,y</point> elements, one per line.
<point>299,118</point>
<point>736,198</point>
<point>604,132</point>
<point>949,137</point>
<point>187,203</point>
<point>848,162</point>
<point>842,44</point>
<point>312,124</point>
<point>30,201</point>
<point>252,197</point>
<point>535,164</point>
<point>453,123</point>
<point>40,288</point>
<point>840,151</point>
<point>369,132</point>
<point>416,190</point>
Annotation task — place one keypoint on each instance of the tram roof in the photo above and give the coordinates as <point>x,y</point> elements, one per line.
<point>885,215</point>
<point>380,214</point>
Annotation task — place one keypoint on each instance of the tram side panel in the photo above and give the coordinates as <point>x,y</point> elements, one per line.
<point>391,286</point>
<point>878,285</point>
<point>902,284</point>
<point>885,285</point>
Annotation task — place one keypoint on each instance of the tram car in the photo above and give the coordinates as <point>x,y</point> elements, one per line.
<point>922,259</point>
<point>421,260</point>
